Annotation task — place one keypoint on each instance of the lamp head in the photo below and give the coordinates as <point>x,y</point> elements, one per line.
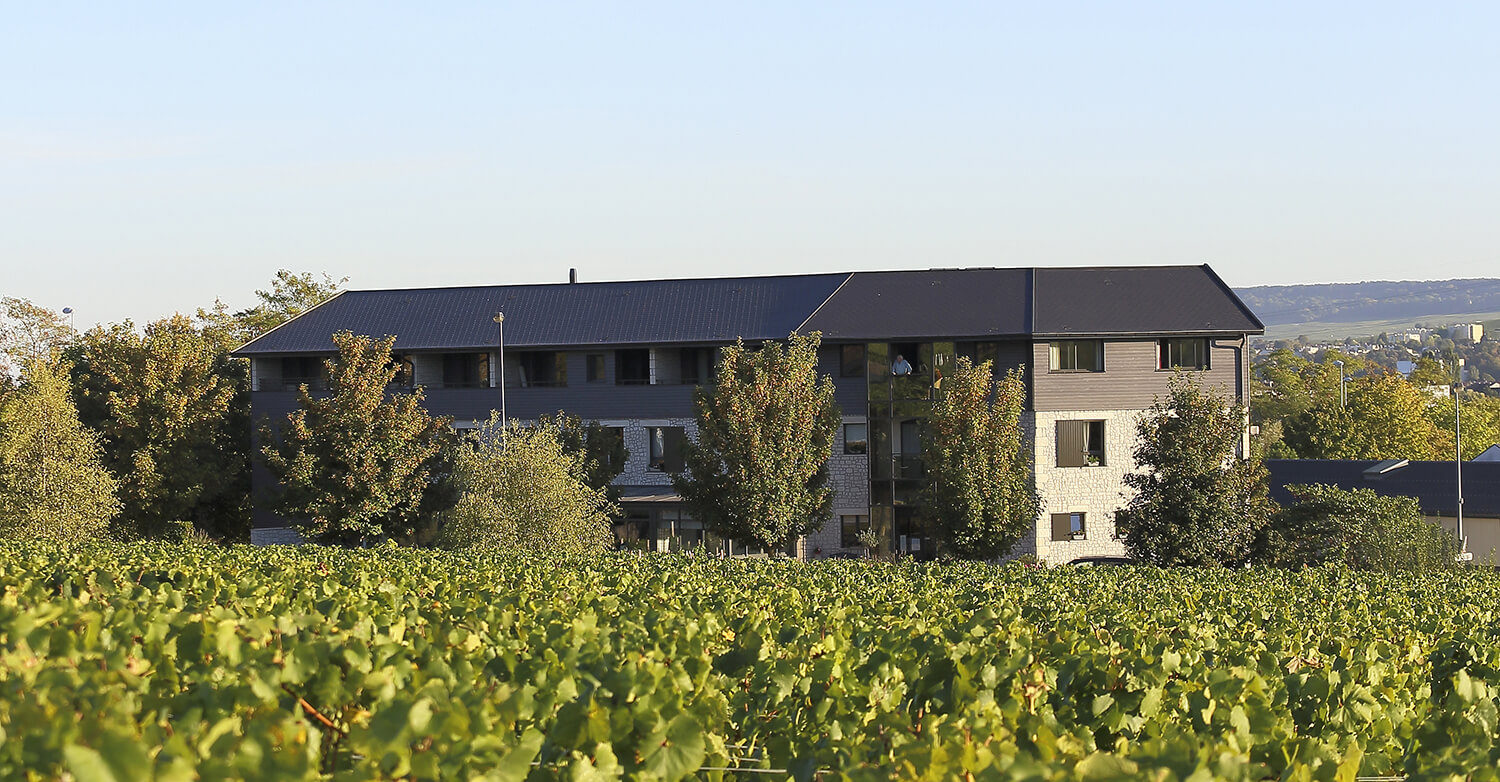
<point>499,317</point>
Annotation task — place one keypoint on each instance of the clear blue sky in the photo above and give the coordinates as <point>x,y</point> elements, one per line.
<point>154,156</point>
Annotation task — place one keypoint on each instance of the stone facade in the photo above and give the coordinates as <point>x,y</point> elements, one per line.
<point>850,476</point>
<point>638,470</point>
<point>1096,491</point>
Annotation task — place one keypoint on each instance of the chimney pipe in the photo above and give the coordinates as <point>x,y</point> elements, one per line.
<point>572,276</point>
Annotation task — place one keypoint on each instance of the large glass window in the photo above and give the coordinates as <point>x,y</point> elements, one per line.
<point>1182,353</point>
<point>543,368</point>
<point>1077,355</point>
<point>466,370</point>
<point>666,448</point>
<point>633,367</point>
<point>1080,443</point>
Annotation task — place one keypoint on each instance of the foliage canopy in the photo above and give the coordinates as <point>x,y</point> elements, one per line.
<point>980,492</point>
<point>758,472</point>
<point>355,466</point>
<point>1196,501</point>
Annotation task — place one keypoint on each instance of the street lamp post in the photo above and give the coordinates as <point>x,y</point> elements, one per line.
<point>500,329</point>
<point>1340,365</point>
<point>1458,445</point>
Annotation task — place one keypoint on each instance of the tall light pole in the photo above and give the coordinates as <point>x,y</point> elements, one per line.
<point>500,328</point>
<point>1340,365</point>
<point>1458,443</point>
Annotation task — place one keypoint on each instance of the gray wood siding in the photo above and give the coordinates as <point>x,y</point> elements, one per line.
<point>1130,380</point>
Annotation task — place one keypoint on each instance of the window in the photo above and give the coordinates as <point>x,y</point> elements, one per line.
<point>633,367</point>
<point>1068,526</point>
<point>299,370</point>
<point>594,367</point>
<point>1182,353</point>
<point>406,371</point>
<point>697,365</point>
<point>666,448</point>
<point>613,445</point>
<point>856,438</point>
<point>852,361</point>
<point>466,370</point>
<point>1080,443</point>
<point>543,368</point>
<point>1077,355</point>
<point>849,529</point>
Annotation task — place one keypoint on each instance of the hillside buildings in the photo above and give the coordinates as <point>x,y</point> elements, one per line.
<point>1096,346</point>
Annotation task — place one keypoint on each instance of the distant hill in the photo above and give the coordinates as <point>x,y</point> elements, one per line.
<point>1357,302</point>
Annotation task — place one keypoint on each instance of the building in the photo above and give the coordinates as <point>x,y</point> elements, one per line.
<point>1096,346</point>
<point>1434,484</point>
<point>1472,332</point>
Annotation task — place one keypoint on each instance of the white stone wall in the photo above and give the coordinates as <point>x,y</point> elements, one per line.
<point>850,476</point>
<point>1095,491</point>
<point>637,467</point>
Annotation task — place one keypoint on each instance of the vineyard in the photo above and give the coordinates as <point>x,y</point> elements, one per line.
<point>160,662</point>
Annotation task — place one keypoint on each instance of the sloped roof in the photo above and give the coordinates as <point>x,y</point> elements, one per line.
<point>1137,300</point>
<point>1434,484</point>
<point>852,306</point>
<point>934,303</point>
<point>596,313</point>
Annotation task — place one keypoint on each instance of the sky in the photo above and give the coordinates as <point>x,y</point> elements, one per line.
<point>156,156</point>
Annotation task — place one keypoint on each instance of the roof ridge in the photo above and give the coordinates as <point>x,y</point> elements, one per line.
<point>823,303</point>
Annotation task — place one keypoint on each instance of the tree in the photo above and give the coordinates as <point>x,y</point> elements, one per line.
<point>1430,372</point>
<point>52,484</point>
<point>758,473</point>
<point>601,448</point>
<point>523,489</point>
<point>980,492</point>
<point>173,408</point>
<point>290,295</point>
<point>1385,418</point>
<point>355,466</point>
<point>1358,528</point>
<point>1196,503</point>
<point>1480,424</point>
<point>29,333</point>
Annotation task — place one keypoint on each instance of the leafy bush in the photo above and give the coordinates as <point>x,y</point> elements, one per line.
<point>524,489</point>
<point>309,662</point>
<point>1358,528</point>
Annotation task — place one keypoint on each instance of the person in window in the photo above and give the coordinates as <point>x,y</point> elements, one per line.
<point>901,366</point>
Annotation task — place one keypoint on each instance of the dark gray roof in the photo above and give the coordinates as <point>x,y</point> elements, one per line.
<point>596,313</point>
<point>1434,484</point>
<point>857,306</point>
<point>1137,300</point>
<point>935,303</point>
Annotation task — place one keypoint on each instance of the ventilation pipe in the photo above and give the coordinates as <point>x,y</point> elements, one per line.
<point>572,276</point>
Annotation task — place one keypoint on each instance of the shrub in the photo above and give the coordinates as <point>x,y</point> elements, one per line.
<point>1358,528</point>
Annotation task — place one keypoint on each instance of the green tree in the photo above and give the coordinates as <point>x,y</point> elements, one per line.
<point>601,448</point>
<point>173,408</point>
<point>354,465</point>
<point>29,333</point>
<point>1196,502</point>
<point>1358,528</point>
<point>1385,418</point>
<point>52,484</point>
<point>523,489</point>
<point>758,473</point>
<point>979,492</point>
<point>1480,424</point>
<point>1430,372</point>
<point>290,295</point>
